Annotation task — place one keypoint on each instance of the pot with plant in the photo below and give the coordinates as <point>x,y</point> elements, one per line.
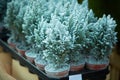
<point>22,45</point>
<point>39,31</point>
<point>31,55</point>
<point>76,60</point>
<point>40,62</point>
<point>77,28</point>
<point>102,38</point>
<point>39,37</point>
<point>10,24</point>
<point>32,52</point>
<point>57,46</point>
<point>76,55</point>
<point>32,25</point>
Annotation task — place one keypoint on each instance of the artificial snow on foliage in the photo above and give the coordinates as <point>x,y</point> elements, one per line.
<point>62,31</point>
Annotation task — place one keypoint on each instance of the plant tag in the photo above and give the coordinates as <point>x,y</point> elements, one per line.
<point>75,77</point>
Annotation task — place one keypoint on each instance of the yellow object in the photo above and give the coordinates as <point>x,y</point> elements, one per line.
<point>21,72</point>
<point>12,68</point>
<point>115,66</point>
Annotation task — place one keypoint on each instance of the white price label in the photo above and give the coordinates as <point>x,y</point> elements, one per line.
<point>75,77</point>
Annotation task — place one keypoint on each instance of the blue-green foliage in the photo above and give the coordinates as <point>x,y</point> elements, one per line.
<point>85,33</point>
<point>14,18</point>
<point>63,30</point>
<point>10,18</point>
<point>102,37</point>
<point>57,42</point>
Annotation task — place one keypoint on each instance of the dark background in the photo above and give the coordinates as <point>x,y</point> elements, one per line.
<point>3,6</point>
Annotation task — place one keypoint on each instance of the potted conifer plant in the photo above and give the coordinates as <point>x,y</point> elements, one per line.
<point>39,34</point>
<point>57,46</point>
<point>77,27</point>
<point>14,20</point>
<point>22,45</point>
<point>31,26</point>
<point>39,37</point>
<point>29,23</point>
<point>102,38</point>
<point>10,24</point>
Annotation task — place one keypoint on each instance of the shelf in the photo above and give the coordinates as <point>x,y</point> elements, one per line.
<point>86,74</point>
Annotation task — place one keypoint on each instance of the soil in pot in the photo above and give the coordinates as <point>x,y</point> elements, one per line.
<point>30,55</point>
<point>40,63</point>
<point>93,64</point>
<point>57,73</point>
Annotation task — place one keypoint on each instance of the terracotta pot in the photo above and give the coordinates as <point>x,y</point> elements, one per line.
<point>96,66</point>
<point>30,55</point>
<point>77,67</point>
<point>56,73</point>
<point>21,51</point>
<point>40,64</point>
<point>77,64</point>
<point>11,44</point>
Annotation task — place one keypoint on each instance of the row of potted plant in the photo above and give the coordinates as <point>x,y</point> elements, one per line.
<point>60,36</point>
